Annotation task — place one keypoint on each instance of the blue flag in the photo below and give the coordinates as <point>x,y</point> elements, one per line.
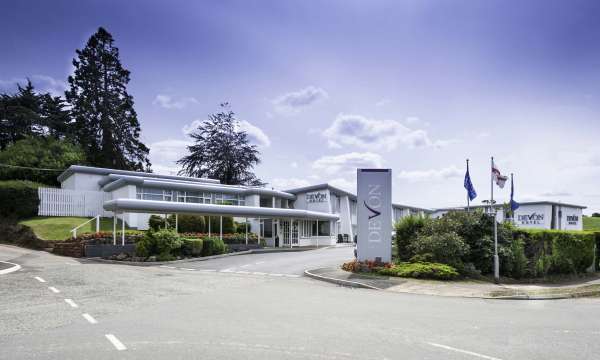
<point>513,204</point>
<point>469,186</point>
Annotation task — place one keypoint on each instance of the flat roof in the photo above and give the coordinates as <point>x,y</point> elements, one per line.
<point>105,172</point>
<point>541,202</point>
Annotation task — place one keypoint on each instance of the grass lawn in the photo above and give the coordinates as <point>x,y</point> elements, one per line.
<point>591,223</point>
<point>59,228</point>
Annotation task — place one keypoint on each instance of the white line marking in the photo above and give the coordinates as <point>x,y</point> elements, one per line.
<point>207,270</point>
<point>246,265</point>
<point>242,272</point>
<point>39,279</point>
<point>275,275</point>
<point>116,343</point>
<point>53,289</point>
<point>89,318</point>
<point>259,273</point>
<point>72,303</point>
<point>187,269</point>
<point>167,267</point>
<point>291,275</point>
<point>259,262</point>
<point>14,267</point>
<point>227,270</point>
<point>463,351</point>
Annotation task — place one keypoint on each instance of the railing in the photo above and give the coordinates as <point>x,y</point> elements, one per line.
<point>97,218</point>
<point>65,202</point>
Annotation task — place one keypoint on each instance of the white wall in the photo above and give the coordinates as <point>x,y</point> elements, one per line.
<point>538,216</point>
<point>80,181</point>
<point>572,218</point>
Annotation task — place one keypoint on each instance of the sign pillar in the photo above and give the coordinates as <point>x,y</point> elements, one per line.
<point>374,214</point>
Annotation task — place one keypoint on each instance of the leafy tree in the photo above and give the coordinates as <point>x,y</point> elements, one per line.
<point>106,123</point>
<point>221,151</point>
<point>38,153</point>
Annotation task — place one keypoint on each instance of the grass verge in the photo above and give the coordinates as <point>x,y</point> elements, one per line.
<point>59,228</point>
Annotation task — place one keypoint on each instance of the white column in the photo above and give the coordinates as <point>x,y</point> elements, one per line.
<point>262,227</point>
<point>273,201</point>
<point>123,230</point>
<point>246,225</point>
<point>176,225</point>
<point>317,233</point>
<point>291,223</point>
<point>221,227</point>
<point>208,226</point>
<point>115,228</point>
<point>97,224</point>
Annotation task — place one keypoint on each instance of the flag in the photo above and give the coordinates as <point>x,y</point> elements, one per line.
<point>498,177</point>
<point>513,204</point>
<point>469,186</point>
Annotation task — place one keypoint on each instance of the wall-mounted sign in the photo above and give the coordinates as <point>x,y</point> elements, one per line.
<point>531,219</point>
<point>374,215</point>
<point>316,197</point>
<point>572,219</point>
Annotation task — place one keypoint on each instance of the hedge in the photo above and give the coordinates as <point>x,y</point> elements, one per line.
<point>213,246</point>
<point>19,199</point>
<point>192,247</point>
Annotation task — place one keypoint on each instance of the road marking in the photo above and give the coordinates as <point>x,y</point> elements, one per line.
<point>275,275</point>
<point>291,275</point>
<point>89,318</point>
<point>259,262</point>
<point>227,270</point>
<point>53,289</point>
<point>167,267</point>
<point>242,272</point>
<point>72,303</point>
<point>116,343</point>
<point>481,356</point>
<point>39,279</point>
<point>246,265</point>
<point>14,267</point>
<point>259,273</point>
<point>207,270</point>
<point>187,269</point>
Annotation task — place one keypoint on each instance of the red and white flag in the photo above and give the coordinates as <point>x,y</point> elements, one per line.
<point>497,176</point>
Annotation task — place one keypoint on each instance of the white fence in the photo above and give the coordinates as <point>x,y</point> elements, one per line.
<point>64,202</point>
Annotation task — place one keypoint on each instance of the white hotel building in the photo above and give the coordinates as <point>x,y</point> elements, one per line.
<point>314,215</point>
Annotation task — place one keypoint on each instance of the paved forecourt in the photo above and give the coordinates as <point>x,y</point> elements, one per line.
<point>161,313</point>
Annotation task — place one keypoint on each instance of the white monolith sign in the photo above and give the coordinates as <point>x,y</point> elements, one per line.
<point>374,214</point>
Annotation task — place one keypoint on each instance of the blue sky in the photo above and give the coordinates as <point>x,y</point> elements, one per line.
<point>324,87</point>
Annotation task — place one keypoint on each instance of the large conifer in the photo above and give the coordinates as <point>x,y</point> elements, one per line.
<point>106,124</point>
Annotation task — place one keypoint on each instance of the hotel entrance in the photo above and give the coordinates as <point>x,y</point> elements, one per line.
<point>288,231</point>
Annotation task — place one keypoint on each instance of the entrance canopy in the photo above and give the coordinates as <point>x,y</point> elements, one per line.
<point>153,206</point>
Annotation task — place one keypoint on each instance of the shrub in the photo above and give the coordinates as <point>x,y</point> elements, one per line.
<point>187,223</point>
<point>162,243</point>
<point>19,199</point>
<point>421,270</point>
<point>157,222</point>
<point>213,246</point>
<point>406,233</point>
<point>240,227</point>
<point>192,247</point>
<point>446,248</point>
<point>228,226</point>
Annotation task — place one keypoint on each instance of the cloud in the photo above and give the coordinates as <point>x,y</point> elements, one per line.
<point>556,194</point>
<point>347,163</point>
<point>294,164</point>
<point>255,134</point>
<point>293,102</point>
<point>431,174</point>
<point>41,83</point>
<point>289,183</point>
<point>357,130</point>
<point>344,184</point>
<point>164,154</point>
<point>169,102</point>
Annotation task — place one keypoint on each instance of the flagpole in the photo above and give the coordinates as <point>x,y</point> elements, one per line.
<point>468,197</point>
<point>493,213</point>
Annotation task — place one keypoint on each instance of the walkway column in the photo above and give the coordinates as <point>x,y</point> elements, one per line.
<point>291,223</point>
<point>221,227</point>
<point>123,230</point>
<point>317,233</point>
<point>246,224</point>
<point>208,226</point>
<point>115,228</point>
<point>259,230</point>
<point>176,225</point>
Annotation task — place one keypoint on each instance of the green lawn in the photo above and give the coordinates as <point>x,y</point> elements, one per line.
<point>59,228</point>
<point>591,223</point>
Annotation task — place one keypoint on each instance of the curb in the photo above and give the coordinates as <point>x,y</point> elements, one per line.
<point>341,282</point>
<point>13,268</point>
<point>546,297</point>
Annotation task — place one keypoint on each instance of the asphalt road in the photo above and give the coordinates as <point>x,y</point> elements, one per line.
<point>170,313</point>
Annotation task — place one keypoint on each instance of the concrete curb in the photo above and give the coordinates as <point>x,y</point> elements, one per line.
<point>546,297</point>
<point>13,268</point>
<point>341,282</point>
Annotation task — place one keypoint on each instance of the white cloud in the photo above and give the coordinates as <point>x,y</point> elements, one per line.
<point>164,154</point>
<point>347,163</point>
<point>289,183</point>
<point>169,102</point>
<point>556,194</point>
<point>255,134</point>
<point>293,102</point>
<point>41,83</point>
<point>344,184</point>
<point>357,130</point>
<point>431,174</point>
<point>294,164</point>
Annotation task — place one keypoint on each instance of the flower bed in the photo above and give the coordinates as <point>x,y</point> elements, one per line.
<point>417,270</point>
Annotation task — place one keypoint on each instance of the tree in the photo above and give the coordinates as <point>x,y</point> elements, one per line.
<point>221,151</point>
<point>39,159</point>
<point>106,123</point>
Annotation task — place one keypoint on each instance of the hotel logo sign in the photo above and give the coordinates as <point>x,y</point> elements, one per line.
<point>316,197</point>
<point>374,214</point>
<point>572,219</point>
<point>531,219</point>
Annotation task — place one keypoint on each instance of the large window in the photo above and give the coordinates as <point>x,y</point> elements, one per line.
<point>229,199</point>
<point>196,197</point>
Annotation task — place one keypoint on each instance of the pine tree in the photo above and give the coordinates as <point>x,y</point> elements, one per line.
<point>221,151</point>
<point>106,123</point>
<point>19,115</point>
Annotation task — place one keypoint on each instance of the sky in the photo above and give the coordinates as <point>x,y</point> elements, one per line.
<point>325,87</point>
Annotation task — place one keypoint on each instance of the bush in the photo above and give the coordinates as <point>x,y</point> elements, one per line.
<point>163,243</point>
<point>240,227</point>
<point>188,223</point>
<point>228,226</point>
<point>213,246</point>
<point>446,248</point>
<point>19,199</point>
<point>421,270</point>
<point>192,247</point>
<point>407,230</point>
<point>157,222</point>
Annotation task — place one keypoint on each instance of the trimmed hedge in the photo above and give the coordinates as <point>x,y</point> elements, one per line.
<point>213,246</point>
<point>19,199</point>
<point>192,247</point>
<point>421,270</point>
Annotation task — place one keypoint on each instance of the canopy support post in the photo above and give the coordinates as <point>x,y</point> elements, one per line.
<point>221,227</point>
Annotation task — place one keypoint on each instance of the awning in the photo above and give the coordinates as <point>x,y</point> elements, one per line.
<point>169,207</point>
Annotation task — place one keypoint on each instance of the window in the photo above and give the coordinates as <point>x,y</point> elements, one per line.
<point>324,228</point>
<point>230,199</point>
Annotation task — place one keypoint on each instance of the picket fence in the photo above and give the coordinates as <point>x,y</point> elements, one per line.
<point>65,202</point>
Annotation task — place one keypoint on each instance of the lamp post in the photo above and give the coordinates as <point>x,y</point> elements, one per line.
<point>492,213</point>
